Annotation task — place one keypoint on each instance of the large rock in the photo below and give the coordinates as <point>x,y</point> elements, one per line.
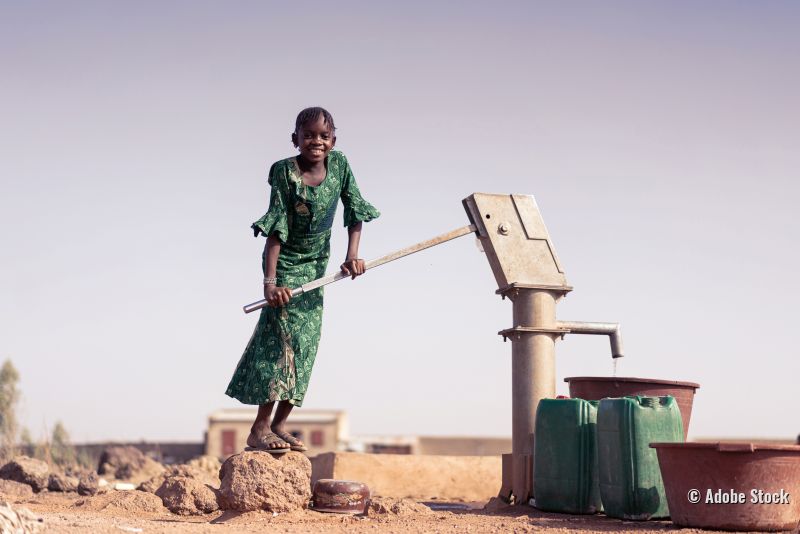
<point>89,484</point>
<point>14,491</point>
<point>28,471</point>
<point>187,496</point>
<point>62,482</point>
<point>127,463</point>
<point>255,480</point>
<point>203,476</point>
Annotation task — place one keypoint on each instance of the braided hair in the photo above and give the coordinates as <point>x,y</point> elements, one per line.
<point>310,115</point>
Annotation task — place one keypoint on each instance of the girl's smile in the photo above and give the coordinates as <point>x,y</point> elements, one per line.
<point>314,140</point>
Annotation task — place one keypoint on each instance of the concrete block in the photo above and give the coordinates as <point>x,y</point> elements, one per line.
<point>419,477</point>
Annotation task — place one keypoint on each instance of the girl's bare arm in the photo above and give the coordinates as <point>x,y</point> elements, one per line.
<point>275,296</point>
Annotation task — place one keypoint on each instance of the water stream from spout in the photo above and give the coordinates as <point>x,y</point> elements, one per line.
<point>615,360</point>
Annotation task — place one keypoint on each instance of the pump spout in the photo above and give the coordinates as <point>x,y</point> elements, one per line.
<point>612,330</point>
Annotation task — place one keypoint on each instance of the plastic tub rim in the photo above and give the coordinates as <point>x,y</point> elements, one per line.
<point>735,446</point>
<point>632,379</point>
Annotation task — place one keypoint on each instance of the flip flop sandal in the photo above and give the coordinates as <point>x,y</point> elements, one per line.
<point>265,440</point>
<point>293,442</point>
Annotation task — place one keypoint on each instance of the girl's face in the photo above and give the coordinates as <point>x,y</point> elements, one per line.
<point>314,140</point>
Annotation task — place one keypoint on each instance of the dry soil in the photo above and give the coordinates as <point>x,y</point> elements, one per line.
<point>114,513</point>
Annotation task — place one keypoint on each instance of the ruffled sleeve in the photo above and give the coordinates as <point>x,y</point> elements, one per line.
<point>275,220</point>
<point>356,209</point>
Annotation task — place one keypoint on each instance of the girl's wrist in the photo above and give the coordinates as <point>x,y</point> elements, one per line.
<point>270,280</point>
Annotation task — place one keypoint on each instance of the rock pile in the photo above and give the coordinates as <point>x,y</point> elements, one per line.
<point>127,463</point>
<point>252,480</point>
<point>189,489</point>
<point>38,476</point>
<point>255,480</point>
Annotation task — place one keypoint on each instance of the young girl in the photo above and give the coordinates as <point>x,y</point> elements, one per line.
<point>276,365</point>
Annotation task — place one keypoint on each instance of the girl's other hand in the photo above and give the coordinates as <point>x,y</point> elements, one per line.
<point>277,296</point>
<point>353,268</point>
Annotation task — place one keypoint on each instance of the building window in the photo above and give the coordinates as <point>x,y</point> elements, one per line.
<point>317,438</point>
<point>228,442</point>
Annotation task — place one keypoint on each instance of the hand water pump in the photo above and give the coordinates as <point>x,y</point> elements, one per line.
<point>527,270</point>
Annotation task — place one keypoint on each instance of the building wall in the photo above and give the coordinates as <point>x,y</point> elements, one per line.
<point>463,446</point>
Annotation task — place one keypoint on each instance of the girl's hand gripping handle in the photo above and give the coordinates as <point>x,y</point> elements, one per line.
<point>277,296</point>
<point>353,268</point>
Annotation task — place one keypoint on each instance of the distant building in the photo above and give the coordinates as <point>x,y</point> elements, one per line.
<point>320,430</point>
<point>327,431</point>
<point>373,444</point>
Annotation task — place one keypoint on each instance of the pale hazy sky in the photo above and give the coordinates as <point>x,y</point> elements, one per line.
<point>661,140</point>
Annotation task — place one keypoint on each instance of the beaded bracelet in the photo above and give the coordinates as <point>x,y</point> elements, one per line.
<point>270,281</point>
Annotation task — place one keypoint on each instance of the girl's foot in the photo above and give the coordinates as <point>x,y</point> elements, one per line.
<point>294,443</point>
<point>269,442</point>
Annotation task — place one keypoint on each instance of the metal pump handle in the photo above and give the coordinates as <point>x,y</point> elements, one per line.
<point>325,280</point>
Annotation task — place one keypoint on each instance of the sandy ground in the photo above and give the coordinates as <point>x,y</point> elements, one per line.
<point>71,514</point>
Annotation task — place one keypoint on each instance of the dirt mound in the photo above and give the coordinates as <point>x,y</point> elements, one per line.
<point>127,501</point>
<point>14,491</point>
<point>28,471</point>
<point>187,496</point>
<point>255,480</point>
<point>387,506</point>
<point>135,501</point>
<point>496,504</point>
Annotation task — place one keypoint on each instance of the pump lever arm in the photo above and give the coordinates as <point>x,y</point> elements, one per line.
<point>319,282</point>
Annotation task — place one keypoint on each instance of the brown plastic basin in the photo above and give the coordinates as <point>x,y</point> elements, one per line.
<point>734,469</point>
<point>601,387</point>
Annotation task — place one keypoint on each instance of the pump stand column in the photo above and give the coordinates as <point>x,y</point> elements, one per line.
<point>532,372</point>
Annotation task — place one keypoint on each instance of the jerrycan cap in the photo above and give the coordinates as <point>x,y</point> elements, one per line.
<point>655,402</point>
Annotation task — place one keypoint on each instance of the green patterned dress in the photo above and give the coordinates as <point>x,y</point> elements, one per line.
<point>276,365</point>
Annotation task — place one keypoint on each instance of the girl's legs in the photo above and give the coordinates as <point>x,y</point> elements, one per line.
<point>279,423</point>
<point>260,431</point>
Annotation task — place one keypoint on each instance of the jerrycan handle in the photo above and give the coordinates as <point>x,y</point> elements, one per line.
<point>735,447</point>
